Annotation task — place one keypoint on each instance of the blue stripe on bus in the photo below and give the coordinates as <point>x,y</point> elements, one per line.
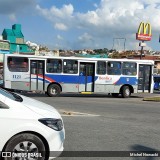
<point>71,78</point>
<point>127,80</point>
<point>81,79</point>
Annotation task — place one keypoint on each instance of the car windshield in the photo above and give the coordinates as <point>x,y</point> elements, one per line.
<point>11,95</point>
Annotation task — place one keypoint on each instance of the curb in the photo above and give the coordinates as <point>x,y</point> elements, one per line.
<point>154,99</point>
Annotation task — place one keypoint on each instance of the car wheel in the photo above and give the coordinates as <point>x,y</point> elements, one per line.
<point>53,90</point>
<point>25,144</point>
<point>126,92</point>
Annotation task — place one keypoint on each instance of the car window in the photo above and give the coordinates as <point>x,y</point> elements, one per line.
<point>11,95</point>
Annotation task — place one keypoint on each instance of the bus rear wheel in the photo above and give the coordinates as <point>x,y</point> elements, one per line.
<point>126,92</point>
<point>53,90</point>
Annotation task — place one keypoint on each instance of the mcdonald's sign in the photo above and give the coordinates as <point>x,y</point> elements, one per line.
<point>144,32</point>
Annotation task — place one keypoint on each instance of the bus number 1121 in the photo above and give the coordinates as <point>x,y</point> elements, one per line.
<point>16,76</point>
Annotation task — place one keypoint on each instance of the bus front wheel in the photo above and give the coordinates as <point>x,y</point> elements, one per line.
<point>126,92</point>
<point>53,90</point>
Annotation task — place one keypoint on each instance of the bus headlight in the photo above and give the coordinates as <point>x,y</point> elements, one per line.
<point>55,124</point>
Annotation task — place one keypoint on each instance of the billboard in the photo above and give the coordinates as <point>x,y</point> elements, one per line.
<point>144,32</point>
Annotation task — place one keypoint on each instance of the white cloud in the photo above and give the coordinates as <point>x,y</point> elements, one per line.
<point>59,37</point>
<point>60,26</point>
<point>85,37</point>
<point>12,17</point>
<point>95,5</point>
<point>59,17</point>
<point>110,19</point>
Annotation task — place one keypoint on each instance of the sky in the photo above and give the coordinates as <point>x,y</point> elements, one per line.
<point>83,24</point>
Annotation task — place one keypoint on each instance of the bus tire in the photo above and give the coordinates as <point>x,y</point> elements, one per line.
<point>53,90</point>
<point>126,92</point>
<point>115,94</point>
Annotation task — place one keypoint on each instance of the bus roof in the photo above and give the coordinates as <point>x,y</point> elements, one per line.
<point>81,58</point>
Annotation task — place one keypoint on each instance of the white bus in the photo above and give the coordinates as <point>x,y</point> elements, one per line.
<point>55,75</point>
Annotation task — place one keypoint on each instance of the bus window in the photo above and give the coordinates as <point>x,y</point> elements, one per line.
<point>33,67</point>
<point>18,64</point>
<point>54,65</point>
<point>101,67</point>
<point>129,68</point>
<point>82,69</point>
<point>70,66</point>
<point>114,68</point>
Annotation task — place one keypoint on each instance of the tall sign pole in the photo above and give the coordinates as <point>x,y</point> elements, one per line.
<point>144,34</point>
<point>142,45</point>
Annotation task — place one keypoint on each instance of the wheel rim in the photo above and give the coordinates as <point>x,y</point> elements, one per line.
<point>25,147</point>
<point>127,92</point>
<point>53,91</point>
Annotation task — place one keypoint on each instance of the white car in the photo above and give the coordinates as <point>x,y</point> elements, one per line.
<point>29,128</point>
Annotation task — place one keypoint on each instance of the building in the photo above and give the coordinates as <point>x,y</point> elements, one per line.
<point>16,40</point>
<point>4,49</point>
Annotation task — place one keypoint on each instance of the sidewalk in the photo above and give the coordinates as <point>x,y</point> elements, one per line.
<point>145,95</point>
<point>149,96</point>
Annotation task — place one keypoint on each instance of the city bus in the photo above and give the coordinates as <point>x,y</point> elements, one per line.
<point>55,75</point>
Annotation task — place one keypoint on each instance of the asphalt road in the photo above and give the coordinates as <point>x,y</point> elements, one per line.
<point>103,123</point>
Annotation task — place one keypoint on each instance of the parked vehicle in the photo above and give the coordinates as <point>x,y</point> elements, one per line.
<point>156,82</point>
<point>28,125</point>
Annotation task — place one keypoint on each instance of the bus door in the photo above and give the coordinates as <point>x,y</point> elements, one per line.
<point>37,78</point>
<point>144,78</point>
<point>86,77</point>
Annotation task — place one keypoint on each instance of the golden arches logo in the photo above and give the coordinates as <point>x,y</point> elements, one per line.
<point>144,32</point>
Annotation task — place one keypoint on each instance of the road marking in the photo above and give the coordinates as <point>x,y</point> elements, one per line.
<point>71,113</point>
